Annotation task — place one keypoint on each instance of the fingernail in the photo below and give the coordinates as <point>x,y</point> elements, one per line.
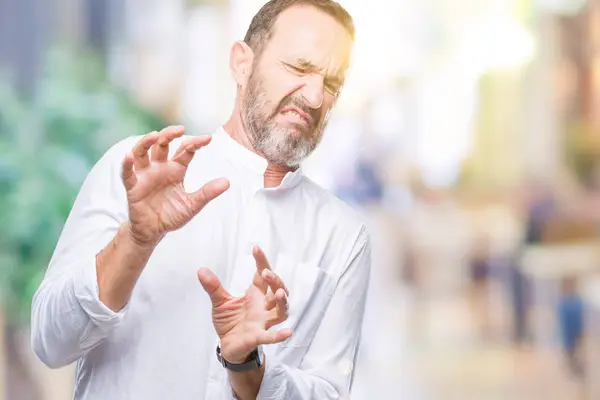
<point>267,274</point>
<point>222,181</point>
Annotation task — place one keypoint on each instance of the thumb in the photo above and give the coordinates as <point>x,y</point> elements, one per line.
<point>208,192</point>
<point>211,284</point>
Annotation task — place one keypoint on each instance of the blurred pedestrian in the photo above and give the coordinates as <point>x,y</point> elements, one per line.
<point>570,315</point>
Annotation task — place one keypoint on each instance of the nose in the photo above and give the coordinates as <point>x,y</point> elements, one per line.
<point>313,91</point>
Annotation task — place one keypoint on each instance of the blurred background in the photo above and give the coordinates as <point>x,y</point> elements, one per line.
<point>468,133</point>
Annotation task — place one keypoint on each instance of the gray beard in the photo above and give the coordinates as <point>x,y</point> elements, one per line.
<point>277,145</point>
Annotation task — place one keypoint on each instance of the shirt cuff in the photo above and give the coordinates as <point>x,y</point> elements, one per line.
<point>273,385</point>
<point>85,287</point>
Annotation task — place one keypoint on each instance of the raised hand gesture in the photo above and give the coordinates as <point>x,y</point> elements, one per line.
<point>158,201</point>
<point>242,323</point>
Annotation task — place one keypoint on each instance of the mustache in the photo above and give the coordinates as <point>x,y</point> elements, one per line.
<point>314,113</point>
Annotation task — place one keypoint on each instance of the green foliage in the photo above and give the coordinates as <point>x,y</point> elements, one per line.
<point>47,147</point>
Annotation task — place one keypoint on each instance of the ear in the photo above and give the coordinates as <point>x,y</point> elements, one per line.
<point>241,60</point>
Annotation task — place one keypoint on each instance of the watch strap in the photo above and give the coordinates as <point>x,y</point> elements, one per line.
<point>254,361</point>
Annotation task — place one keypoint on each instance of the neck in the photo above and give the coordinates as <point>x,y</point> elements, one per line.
<point>234,127</point>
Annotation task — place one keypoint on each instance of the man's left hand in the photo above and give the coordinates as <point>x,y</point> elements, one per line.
<point>242,323</point>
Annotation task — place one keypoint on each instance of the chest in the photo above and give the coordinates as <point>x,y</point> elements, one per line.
<point>221,238</point>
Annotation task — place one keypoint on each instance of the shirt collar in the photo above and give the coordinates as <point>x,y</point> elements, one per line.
<point>239,155</point>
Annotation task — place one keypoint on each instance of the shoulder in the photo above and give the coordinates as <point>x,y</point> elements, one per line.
<point>346,224</point>
<point>345,214</point>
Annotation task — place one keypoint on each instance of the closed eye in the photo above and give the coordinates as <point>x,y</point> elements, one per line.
<point>296,70</point>
<point>332,85</point>
<point>333,88</point>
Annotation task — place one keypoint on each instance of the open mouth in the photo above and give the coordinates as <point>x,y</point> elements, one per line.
<point>296,115</point>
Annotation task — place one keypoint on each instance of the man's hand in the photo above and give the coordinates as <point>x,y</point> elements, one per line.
<point>158,201</point>
<point>242,323</point>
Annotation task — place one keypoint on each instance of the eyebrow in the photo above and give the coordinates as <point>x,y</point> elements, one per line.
<point>301,62</point>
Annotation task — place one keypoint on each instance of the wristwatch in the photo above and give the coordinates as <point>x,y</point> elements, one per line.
<point>254,361</point>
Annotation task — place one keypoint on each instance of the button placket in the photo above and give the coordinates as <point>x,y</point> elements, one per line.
<point>249,234</point>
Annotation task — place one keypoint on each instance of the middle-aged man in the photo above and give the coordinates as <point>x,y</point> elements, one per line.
<point>285,264</point>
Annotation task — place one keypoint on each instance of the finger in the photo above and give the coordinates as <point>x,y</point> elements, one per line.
<point>272,337</point>
<point>212,286</point>
<point>262,264</point>
<point>274,281</point>
<point>283,304</point>
<point>261,284</point>
<point>208,193</point>
<point>270,302</point>
<point>160,150</point>
<point>127,175</point>
<point>187,149</point>
<point>140,151</point>
<point>281,311</point>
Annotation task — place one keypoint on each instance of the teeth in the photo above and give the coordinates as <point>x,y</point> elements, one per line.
<point>292,112</point>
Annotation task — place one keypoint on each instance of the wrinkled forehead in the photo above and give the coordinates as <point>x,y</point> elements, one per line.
<point>309,34</point>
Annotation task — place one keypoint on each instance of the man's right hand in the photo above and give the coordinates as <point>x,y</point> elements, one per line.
<point>158,204</point>
<point>158,201</point>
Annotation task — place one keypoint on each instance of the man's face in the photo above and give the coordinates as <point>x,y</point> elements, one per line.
<point>294,84</point>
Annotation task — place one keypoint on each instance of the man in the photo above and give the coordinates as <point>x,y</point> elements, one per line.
<point>285,265</point>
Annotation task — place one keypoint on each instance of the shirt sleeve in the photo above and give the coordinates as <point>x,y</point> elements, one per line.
<point>68,318</point>
<point>327,370</point>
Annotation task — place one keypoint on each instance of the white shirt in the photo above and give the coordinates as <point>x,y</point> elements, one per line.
<point>162,344</point>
